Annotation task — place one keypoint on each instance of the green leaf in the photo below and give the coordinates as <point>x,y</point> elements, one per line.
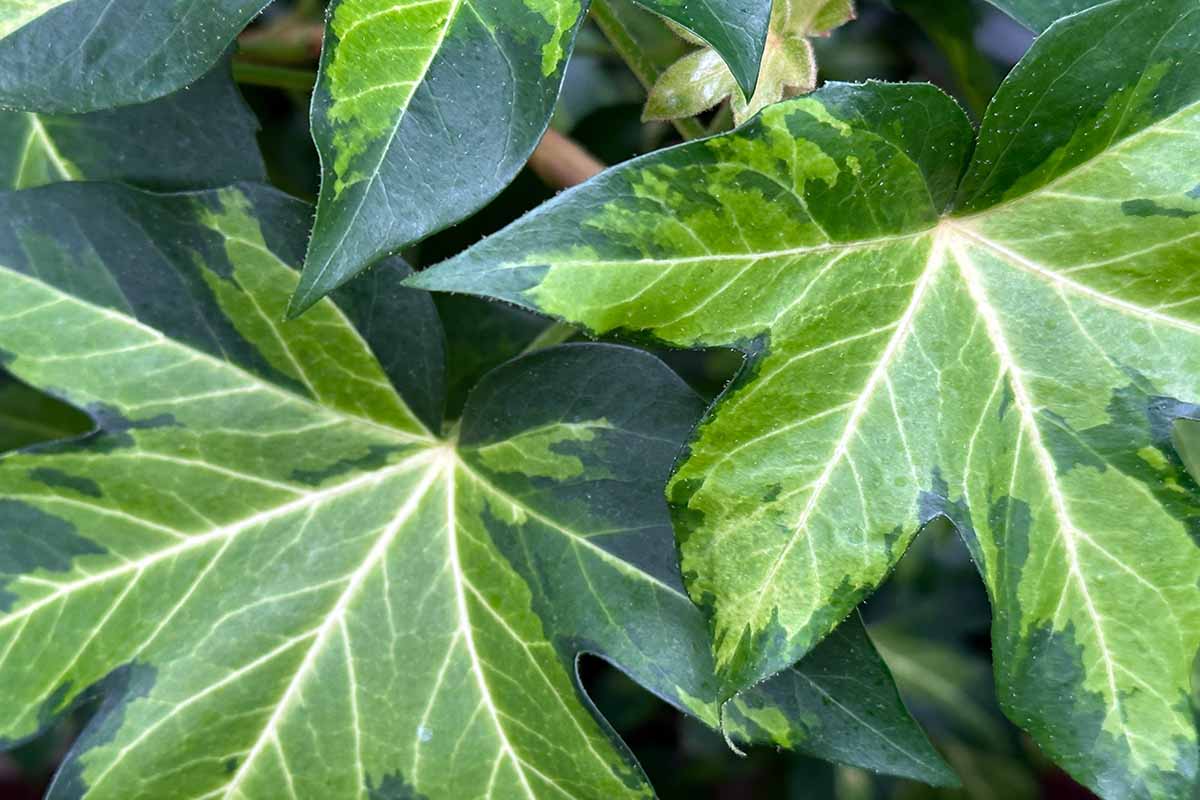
<point>737,29</point>
<point>1185,436</point>
<point>199,138</point>
<point>1038,15</point>
<point>952,691</point>
<point>692,85</point>
<point>30,417</point>
<point>424,112</point>
<point>840,704</point>
<point>75,56</point>
<point>283,581</point>
<point>700,80</point>
<point>1013,366</point>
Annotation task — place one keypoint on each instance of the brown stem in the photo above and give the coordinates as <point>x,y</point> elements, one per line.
<point>561,163</point>
<point>286,42</point>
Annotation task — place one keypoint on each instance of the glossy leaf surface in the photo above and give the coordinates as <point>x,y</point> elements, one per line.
<point>424,111</point>
<point>75,56</point>
<point>284,581</point>
<point>1014,365</point>
<point>197,138</point>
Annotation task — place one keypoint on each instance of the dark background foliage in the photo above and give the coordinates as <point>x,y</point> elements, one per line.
<point>931,619</point>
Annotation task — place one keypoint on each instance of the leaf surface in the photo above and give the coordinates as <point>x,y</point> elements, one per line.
<point>285,582</point>
<point>1038,15</point>
<point>201,137</point>
<point>400,99</point>
<point>75,56</point>
<point>1015,365</point>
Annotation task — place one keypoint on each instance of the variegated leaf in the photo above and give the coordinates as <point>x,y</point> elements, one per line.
<point>286,583</point>
<point>424,111</point>
<point>1014,364</point>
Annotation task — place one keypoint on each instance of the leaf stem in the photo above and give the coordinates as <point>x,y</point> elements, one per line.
<point>288,42</point>
<point>301,80</point>
<point>555,334</point>
<point>562,163</point>
<point>631,52</point>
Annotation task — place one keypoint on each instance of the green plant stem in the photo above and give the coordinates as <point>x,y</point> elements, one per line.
<point>631,52</point>
<point>278,77</point>
<point>557,333</point>
<point>722,121</point>
<point>272,50</point>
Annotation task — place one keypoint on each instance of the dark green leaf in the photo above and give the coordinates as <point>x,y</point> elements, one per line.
<point>75,56</point>
<point>197,138</point>
<point>1013,366</point>
<point>1037,15</point>
<point>737,29</point>
<point>479,337</point>
<point>954,685</point>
